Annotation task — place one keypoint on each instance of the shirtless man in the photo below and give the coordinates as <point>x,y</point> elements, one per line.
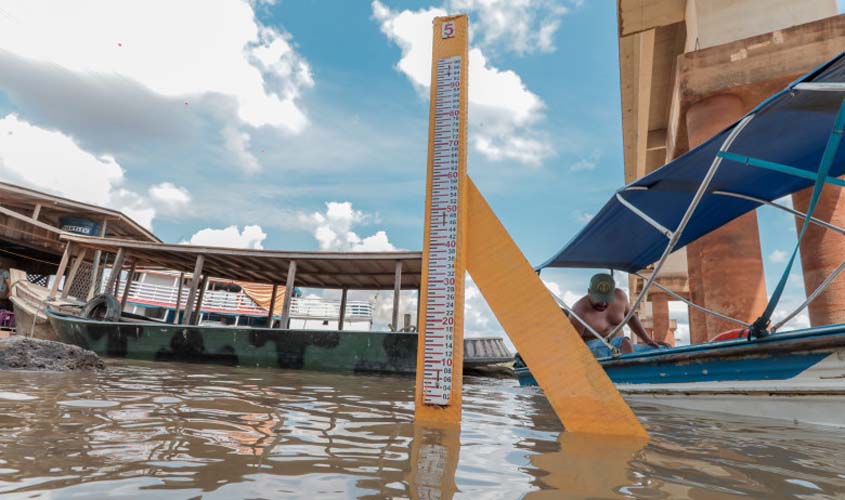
<point>604,307</point>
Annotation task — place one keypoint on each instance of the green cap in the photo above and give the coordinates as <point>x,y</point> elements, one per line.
<point>602,288</point>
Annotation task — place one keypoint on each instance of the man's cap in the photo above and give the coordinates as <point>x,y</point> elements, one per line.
<point>602,288</point>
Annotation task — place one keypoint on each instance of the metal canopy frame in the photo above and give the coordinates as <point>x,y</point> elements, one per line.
<point>674,236</point>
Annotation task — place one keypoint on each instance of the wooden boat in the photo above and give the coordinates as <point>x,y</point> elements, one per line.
<point>137,337</point>
<point>797,376</point>
<point>30,304</point>
<point>788,143</point>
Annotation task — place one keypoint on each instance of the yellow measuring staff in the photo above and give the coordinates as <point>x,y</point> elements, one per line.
<point>462,233</point>
<point>440,351</point>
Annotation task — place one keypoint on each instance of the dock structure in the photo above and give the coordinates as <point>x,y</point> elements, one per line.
<point>32,223</point>
<point>689,69</point>
<point>343,271</point>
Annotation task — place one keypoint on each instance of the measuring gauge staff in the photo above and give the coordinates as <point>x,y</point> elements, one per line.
<point>440,306</point>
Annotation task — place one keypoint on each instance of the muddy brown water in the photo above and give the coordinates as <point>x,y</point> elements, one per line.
<point>167,431</point>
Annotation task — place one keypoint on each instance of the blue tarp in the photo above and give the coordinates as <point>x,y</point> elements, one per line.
<point>791,128</point>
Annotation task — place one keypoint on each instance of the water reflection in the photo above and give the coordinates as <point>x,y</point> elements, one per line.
<point>176,431</point>
<point>583,466</point>
<point>434,461</point>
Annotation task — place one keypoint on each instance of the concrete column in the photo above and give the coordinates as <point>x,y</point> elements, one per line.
<point>697,319</point>
<point>822,251</point>
<point>660,317</point>
<point>730,262</point>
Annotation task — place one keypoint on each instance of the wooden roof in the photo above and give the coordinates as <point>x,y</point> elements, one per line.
<point>29,205</point>
<point>353,270</point>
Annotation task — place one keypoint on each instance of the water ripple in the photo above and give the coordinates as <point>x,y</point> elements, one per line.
<point>143,430</point>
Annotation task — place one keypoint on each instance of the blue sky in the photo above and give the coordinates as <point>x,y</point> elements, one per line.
<point>290,126</point>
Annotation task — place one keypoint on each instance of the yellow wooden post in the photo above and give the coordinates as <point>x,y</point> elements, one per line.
<point>575,384</point>
<point>462,233</point>
<point>441,345</point>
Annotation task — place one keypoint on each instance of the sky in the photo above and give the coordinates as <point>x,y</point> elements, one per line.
<point>278,125</point>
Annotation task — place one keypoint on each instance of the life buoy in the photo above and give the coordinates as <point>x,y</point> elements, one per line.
<point>103,307</point>
<point>736,333</point>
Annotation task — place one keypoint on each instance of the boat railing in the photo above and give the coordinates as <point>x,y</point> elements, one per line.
<point>239,303</point>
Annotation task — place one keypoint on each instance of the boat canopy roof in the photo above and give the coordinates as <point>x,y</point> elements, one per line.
<point>791,129</point>
<point>352,270</point>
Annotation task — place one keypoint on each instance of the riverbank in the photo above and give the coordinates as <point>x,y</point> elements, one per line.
<point>22,353</point>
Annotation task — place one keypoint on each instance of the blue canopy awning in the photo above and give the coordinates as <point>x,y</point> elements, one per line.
<point>790,128</point>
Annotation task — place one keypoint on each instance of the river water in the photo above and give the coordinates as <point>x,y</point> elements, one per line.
<point>162,431</point>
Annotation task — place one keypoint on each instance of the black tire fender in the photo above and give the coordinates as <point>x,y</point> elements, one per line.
<point>103,307</point>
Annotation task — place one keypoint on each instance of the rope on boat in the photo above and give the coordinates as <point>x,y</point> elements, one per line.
<point>760,326</point>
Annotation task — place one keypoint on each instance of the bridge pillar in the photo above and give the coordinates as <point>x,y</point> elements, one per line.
<point>822,251</point>
<point>730,265</point>
<point>660,318</point>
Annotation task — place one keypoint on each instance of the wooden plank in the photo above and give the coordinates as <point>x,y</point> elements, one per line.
<point>60,272</point>
<point>95,268</point>
<point>198,308</point>
<point>272,306</point>
<point>73,270</point>
<point>397,288</point>
<point>321,257</point>
<point>127,286</point>
<point>116,268</point>
<point>572,380</point>
<point>178,299</point>
<point>192,293</point>
<point>342,315</point>
<point>289,285</point>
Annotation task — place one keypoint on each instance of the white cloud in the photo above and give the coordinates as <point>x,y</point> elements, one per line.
<point>51,161</point>
<point>251,237</point>
<point>333,229</point>
<point>479,320</point>
<point>587,163</point>
<point>133,205</point>
<point>778,256</point>
<point>502,109</point>
<point>521,26</point>
<point>237,143</point>
<point>169,197</point>
<point>583,217</point>
<point>180,48</point>
<point>677,307</point>
<point>553,287</point>
<point>682,334</point>
<point>802,320</point>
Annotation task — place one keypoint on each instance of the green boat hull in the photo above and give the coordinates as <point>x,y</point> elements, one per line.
<point>383,352</point>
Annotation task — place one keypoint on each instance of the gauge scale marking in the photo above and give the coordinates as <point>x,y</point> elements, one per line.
<point>442,239</point>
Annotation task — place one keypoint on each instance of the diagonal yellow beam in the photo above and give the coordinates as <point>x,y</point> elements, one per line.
<point>575,384</point>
